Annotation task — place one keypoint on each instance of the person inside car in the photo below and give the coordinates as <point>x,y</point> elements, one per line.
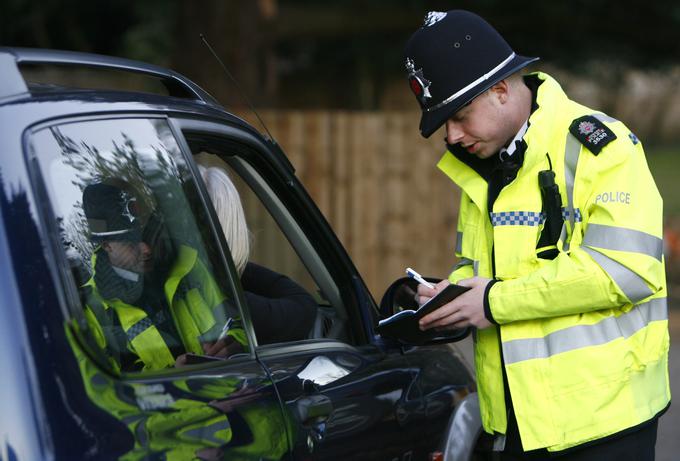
<point>149,301</point>
<point>281,310</point>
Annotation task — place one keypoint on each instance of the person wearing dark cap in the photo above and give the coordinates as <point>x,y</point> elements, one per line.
<point>148,302</point>
<point>560,240</point>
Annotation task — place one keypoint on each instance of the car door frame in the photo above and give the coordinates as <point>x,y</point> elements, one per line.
<point>368,354</point>
<point>329,256</point>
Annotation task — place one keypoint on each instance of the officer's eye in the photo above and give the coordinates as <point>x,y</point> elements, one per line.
<point>460,116</point>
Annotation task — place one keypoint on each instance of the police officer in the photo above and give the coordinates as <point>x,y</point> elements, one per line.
<point>559,236</point>
<point>149,301</point>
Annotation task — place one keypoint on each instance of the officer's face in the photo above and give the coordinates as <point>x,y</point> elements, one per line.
<point>482,127</point>
<point>133,256</point>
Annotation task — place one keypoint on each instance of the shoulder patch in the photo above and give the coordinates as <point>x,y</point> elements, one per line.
<point>592,133</point>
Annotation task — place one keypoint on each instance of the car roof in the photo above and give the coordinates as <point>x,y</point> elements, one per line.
<point>179,93</point>
<point>12,58</point>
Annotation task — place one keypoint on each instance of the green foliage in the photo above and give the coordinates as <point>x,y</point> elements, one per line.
<point>339,53</point>
<point>566,32</point>
<point>664,162</point>
<point>126,28</point>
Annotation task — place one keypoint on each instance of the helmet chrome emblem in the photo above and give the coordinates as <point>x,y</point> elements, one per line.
<point>419,84</point>
<point>129,206</point>
<point>433,17</point>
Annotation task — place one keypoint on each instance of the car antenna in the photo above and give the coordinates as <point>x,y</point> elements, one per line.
<point>238,87</point>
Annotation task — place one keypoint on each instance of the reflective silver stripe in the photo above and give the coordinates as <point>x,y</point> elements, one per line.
<point>622,239</point>
<point>141,435</point>
<point>219,314</point>
<point>132,419</point>
<point>605,118</point>
<point>459,242</point>
<point>571,153</point>
<point>563,236</point>
<point>475,268</point>
<point>632,285</point>
<point>467,88</point>
<point>106,234</point>
<point>209,433</point>
<point>463,262</point>
<point>580,336</point>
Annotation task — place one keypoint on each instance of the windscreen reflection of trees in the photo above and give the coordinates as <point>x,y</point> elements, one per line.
<point>145,173</point>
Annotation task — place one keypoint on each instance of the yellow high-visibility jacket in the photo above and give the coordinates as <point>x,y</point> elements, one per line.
<point>178,428</point>
<point>195,304</point>
<point>584,336</point>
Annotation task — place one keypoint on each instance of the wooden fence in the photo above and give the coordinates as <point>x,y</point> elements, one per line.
<point>375,179</point>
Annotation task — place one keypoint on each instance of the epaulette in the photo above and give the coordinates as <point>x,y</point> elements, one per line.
<point>592,133</point>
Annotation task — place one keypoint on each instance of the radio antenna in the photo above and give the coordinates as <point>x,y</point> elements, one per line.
<point>238,87</point>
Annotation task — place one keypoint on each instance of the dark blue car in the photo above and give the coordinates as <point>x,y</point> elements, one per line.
<point>73,387</point>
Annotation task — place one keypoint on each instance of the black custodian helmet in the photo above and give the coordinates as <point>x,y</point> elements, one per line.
<point>112,213</point>
<point>454,57</point>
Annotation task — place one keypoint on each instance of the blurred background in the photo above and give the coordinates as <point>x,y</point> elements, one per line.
<point>328,79</point>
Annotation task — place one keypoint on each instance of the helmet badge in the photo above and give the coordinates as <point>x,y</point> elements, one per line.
<point>129,206</point>
<point>419,84</point>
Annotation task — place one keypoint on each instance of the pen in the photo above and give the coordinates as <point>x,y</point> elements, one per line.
<point>419,278</point>
<point>225,329</point>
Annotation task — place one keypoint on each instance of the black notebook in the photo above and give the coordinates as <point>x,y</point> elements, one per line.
<point>403,325</point>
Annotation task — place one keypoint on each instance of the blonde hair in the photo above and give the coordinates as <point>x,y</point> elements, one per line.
<point>227,204</point>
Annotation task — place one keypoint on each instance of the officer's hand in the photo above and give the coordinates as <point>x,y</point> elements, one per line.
<point>223,347</point>
<point>466,310</point>
<point>424,293</point>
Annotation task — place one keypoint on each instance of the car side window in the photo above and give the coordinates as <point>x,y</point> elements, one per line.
<point>144,260</point>
<point>288,291</point>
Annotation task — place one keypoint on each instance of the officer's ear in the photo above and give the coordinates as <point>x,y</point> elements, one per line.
<point>501,90</point>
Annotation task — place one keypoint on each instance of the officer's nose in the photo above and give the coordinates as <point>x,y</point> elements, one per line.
<point>144,249</point>
<point>454,133</point>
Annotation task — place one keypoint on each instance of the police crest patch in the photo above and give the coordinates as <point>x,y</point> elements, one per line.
<point>592,133</point>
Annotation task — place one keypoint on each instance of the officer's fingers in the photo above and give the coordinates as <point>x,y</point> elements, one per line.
<point>467,282</point>
<point>234,348</point>
<point>226,347</point>
<point>214,348</point>
<point>426,292</point>
<point>474,282</point>
<point>420,300</point>
<point>433,317</point>
<point>462,323</point>
<point>441,285</point>
<point>223,348</point>
<point>450,322</point>
<point>181,360</point>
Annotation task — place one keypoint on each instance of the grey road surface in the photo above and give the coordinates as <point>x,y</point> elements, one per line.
<point>668,439</point>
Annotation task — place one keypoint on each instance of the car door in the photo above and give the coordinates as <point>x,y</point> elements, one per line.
<point>126,407</point>
<point>348,393</point>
